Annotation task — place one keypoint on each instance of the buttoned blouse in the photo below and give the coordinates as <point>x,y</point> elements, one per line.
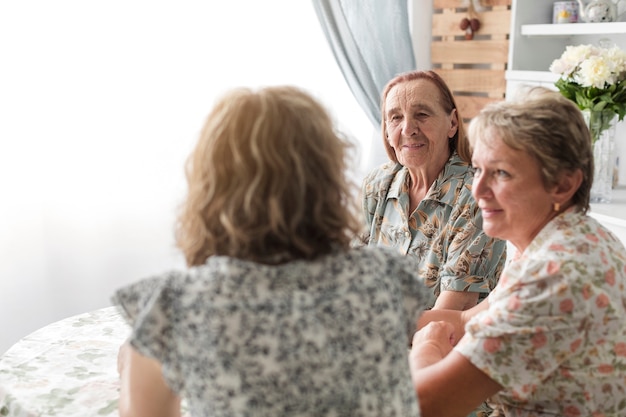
<point>444,232</point>
<point>554,335</point>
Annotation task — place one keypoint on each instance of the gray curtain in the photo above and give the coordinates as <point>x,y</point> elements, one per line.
<point>371,42</point>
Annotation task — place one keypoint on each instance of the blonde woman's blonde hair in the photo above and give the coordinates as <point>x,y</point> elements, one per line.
<point>267,181</point>
<point>547,126</point>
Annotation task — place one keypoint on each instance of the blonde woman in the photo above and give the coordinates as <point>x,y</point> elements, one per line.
<point>550,340</point>
<point>276,314</point>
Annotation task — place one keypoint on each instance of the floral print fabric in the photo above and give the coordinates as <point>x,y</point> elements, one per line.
<point>68,368</point>
<point>318,338</point>
<point>554,335</point>
<point>444,233</point>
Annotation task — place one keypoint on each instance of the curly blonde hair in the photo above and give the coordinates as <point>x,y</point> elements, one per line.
<point>267,181</point>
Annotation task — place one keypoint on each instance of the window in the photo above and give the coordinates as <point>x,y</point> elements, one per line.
<point>101,103</point>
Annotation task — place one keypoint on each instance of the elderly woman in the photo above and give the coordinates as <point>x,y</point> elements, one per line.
<point>420,203</point>
<point>550,340</point>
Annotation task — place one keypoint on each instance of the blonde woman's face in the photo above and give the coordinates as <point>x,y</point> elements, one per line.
<point>418,128</point>
<point>509,191</point>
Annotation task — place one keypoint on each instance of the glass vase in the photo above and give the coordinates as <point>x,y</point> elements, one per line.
<point>602,128</point>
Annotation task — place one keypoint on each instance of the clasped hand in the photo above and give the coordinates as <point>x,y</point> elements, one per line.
<point>432,343</point>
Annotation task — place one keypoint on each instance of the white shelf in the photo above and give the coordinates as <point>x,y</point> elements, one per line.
<point>537,76</point>
<point>570,29</point>
<point>534,45</point>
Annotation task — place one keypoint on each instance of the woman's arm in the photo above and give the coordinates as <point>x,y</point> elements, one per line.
<point>446,383</point>
<point>143,391</point>
<point>456,300</point>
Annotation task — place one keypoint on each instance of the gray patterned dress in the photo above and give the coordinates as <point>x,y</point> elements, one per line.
<point>321,338</point>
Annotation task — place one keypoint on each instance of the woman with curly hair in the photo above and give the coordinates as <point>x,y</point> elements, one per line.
<point>276,314</point>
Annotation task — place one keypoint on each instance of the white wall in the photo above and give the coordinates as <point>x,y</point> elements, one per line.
<point>100,103</point>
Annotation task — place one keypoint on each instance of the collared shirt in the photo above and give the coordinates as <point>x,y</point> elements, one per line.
<point>554,335</point>
<point>444,233</point>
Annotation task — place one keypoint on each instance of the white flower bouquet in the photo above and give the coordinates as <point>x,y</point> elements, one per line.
<point>594,77</point>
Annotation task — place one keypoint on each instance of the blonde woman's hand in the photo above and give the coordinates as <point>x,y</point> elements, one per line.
<point>431,344</point>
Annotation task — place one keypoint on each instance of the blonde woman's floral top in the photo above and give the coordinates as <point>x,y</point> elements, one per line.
<point>554,335</point>
<point>327,337</point>
<point>444,233</point>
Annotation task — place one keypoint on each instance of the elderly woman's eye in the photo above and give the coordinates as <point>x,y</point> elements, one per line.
<point>394,119</point>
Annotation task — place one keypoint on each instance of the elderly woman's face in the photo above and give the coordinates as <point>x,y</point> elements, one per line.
<point>509,191</point>
<point>418,128</point>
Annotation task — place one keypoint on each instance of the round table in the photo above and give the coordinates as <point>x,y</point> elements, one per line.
<point>68,368</point>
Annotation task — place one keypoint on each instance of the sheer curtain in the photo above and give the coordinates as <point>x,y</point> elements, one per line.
<point>371,42</point>
<point>100,103</point>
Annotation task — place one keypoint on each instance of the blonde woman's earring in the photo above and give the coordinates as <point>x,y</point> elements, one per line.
<point>556,207</point>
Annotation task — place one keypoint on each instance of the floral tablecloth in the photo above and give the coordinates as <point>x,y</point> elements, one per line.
<point>68,368</point>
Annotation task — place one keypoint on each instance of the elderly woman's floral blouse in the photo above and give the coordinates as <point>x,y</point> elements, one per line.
<point>554,335</point>
<point>444,233</point>
<point>327,337</point>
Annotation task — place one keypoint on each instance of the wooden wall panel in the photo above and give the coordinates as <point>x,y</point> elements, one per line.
<point>487,81</point>
<point>491,52</point>
<point>495,22</point>
<point>473,68</point>
<point>471,105</point>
